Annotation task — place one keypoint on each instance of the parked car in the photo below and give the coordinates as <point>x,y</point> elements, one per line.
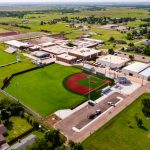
<point>91,103</point>
<point>98,112</point>
<point>111,103</point>
<point>92,116</point>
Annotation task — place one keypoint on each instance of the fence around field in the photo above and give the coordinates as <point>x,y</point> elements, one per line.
<point>29,110</point>
<point>20,136</point>
<point>22,72</point>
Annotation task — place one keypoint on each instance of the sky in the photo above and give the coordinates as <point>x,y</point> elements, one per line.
<point>25,1</point>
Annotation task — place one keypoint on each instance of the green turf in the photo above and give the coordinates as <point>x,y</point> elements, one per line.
<point>43,89</point>
<point>94,82</point>
<point>117,135</point>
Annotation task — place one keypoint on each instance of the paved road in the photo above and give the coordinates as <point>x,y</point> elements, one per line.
<point>80,136</point>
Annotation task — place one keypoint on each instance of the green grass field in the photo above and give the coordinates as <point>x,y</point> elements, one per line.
<point>117,135</point>
<point>94,82</point>
<point>17,126</point>
<point>5,58</point>
<point>43,90</point>
<point>3,30</point>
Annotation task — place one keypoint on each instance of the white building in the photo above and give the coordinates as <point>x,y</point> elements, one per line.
<point>40,54</point>
<point>84,53</point>
<point>145,74</point>
<point>135,69</point>
<point>17,44</point>
<point>112,61</point>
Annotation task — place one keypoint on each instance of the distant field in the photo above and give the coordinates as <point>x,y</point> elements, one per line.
<point>118,13</point>
<point>43,89</point>
<point>35,19</point>
<point>117,135</point>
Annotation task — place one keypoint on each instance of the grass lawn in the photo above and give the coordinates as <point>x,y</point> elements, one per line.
<point>7,71</point>
<point>6,58</point>
<point>17,127</point>
<point>117,135</point>
<point>3,30</point>
<point>38,89</point>
<point>94,82</point>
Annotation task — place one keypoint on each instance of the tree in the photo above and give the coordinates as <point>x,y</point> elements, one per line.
<point>42,23</point>
<point>15,108</point>
<point>129,36</point>
<point>75,146</point>
<point>111,39</point>
<point>148,35</point>
<point>39,144</point>
<point>111,51</point>
<point>70,44</point>
<point>35,125</point>
<point>146,108</point>
<point>54,137</point>
<point>131,57</point>
<point>131,44</point>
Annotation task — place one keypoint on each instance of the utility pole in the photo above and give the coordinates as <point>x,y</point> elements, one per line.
<point>89,88</point>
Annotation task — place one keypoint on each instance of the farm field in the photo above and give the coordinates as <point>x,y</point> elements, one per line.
<point>117,134</point>
<point>118,13</point>
<point>43,90</point>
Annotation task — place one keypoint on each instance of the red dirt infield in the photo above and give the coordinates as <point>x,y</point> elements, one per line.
<point>72,84</point>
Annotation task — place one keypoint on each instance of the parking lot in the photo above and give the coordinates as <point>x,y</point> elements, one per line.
<point>74,125</point>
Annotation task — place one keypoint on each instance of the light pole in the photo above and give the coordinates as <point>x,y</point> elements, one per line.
<point>89,88</point>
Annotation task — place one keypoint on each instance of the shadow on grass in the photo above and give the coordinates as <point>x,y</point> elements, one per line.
<point>144,128</point>
<point>9,125</point>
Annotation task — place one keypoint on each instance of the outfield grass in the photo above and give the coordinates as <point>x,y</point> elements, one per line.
<point>117,135</point>
<point>17,126</point>
<point>43,90</point>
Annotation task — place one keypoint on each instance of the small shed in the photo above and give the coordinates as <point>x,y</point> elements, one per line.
<point>10,50</point>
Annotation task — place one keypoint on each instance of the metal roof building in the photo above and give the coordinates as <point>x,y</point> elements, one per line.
<point>112,61</point>
<point>137,69</point>
<point>17,44</point>
<point>40,54</point>
<point>145,74</point>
